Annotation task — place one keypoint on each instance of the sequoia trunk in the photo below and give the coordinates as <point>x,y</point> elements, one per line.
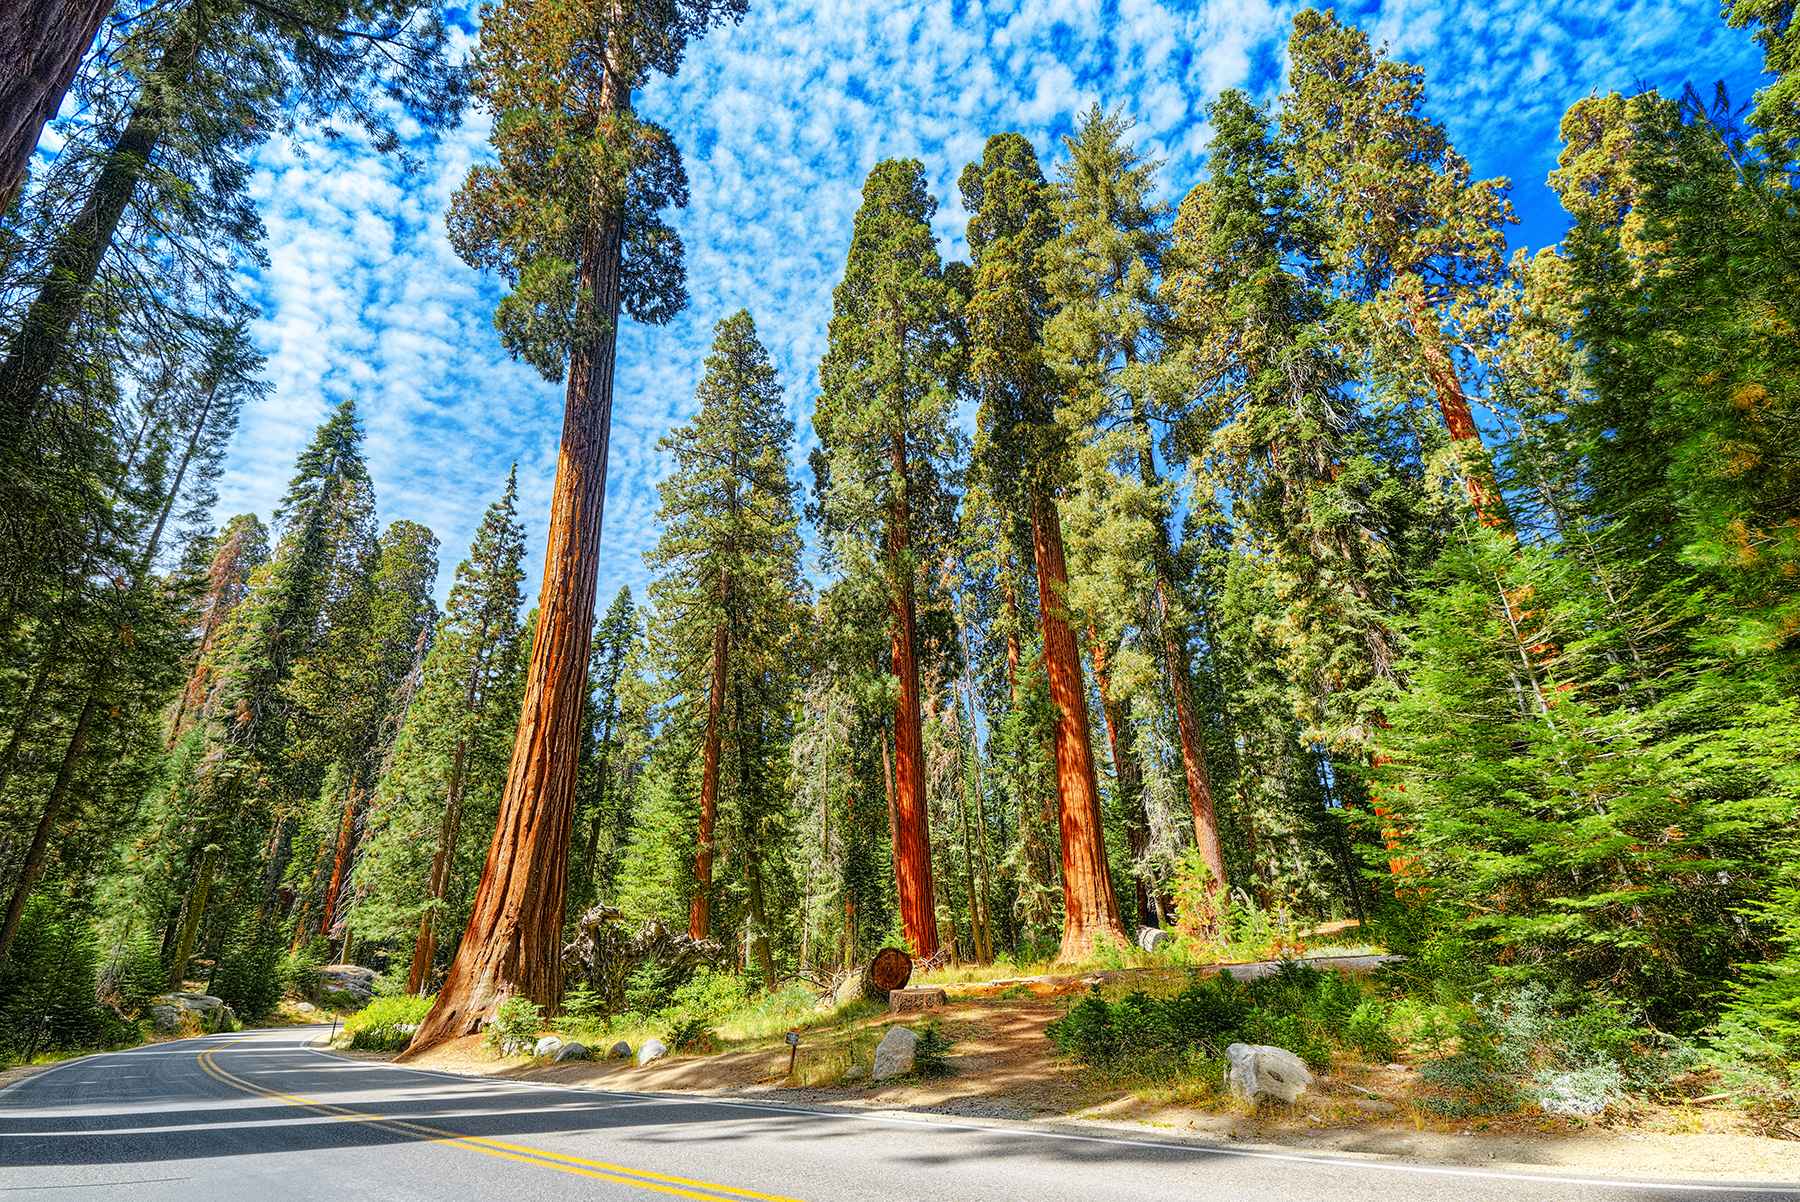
<point>1090,909</point>
<point>700,912</point>
<point>912,833</point>
<point>513,941</point>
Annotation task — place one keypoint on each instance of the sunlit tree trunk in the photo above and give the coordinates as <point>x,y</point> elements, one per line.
<point>1090,909</point>
<point>912,835</point>
<point>700,911</point>
<point>340,857</point>
<point>513,942</point>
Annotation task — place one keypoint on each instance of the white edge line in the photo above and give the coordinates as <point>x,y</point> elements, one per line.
<point>1194,1147</point>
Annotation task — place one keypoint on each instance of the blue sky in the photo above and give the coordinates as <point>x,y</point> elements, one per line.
<point>779,119</point>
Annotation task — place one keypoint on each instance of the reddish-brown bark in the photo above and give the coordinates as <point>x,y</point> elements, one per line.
<point>1121,744</point>
<point>1090,909</point>
<point>700,910</point>
<point>418,974</point>
<point>340,858</point>
<point>1459,418</point>
<point>912,832</point>
<point>41,45</point>
<point>513,941</point>
<point>1193,751</point>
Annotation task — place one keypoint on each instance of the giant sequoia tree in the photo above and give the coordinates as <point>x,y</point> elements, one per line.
<point>1026,460</point>
<point>886,389</point>
<point>569,216</point>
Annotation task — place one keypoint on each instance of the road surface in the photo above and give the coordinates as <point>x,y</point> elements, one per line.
<point>262,1117</point>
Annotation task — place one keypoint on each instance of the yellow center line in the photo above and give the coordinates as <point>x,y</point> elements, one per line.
<point>599,1170</point>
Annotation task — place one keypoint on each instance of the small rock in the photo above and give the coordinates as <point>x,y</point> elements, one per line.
<point>570,1051</point>
<point>1151,938</point>
<point>1258,1071</point>
<point>855,1072</point>
<point>549,1045</point>
<point>653,1049</point>
<point>850,989</point>
<point>894,1054</point>
<point>620,1051</point>
<point>305,1008</point>
<point>1374,1106</point>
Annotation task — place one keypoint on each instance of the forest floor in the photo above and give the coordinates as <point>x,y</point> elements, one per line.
<point>1003,1066</point>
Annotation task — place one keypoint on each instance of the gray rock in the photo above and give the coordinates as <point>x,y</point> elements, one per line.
<point>894,1054</point>
<point>166,1019</point>
<point>850,989</point>
<point>573,1050</point>
<point>183,1010</point>
<point>549,1045</point>
<point>1256,1072</point>
<point>1374,1106</point>
<point>653,1049</point>
<point>855,1072</point>
<point>620,1051</point>
<point>1151,938</point>
<point>353,979</point>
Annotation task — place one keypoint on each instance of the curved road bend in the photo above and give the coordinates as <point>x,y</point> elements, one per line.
<point>261,1117</point>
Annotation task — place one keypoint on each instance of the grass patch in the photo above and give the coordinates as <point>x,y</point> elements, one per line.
<point>385,1024</point>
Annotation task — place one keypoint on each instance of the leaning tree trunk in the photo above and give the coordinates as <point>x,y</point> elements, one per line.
<point>74,262</point>
<point>912,831</point>
<point>513,941</point>
<point>418,973</point>
<point>700,911</point>
<point>191,915</point>
<point>1090,909</point>
<point>41,45</point>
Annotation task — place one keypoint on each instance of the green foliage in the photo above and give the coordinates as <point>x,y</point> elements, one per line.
<point>931,1055</point>
<point>252,974</point>
<point>47,987</point>
<point>387,1023</point>
<point>513,1031</point>
<point>692,1033</point>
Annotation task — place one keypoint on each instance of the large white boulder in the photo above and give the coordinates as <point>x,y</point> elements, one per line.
<point>894,1054</point>
<point>1151,938</point>
<point>549,1045</point>
<point>653,1049</point>
<point>1255,1071</point>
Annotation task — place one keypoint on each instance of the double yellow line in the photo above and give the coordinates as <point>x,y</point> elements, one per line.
<point>598,1170</point>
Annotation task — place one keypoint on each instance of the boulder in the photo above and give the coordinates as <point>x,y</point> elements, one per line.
<point>919,997</point>
<point>1149,939</point>
<point>572,1050</point>
<point>182,1011</point>
<point>620,1051</point>
<point>653,1049</point>
<point>1256,1072</point>
<point>855,1072</point>
<point>549,1045</point>
<point>351,979</point>
<point>894,1054</point>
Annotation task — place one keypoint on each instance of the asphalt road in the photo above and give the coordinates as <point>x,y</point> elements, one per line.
<point>262,1117</point>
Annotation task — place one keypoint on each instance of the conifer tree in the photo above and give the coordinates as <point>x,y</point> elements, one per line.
<point>604,797</point>
<point>887,386</point>
<point>1106,342</point>
<point>1011,224</point>
<point>570,217</point>
<point>728,571</point>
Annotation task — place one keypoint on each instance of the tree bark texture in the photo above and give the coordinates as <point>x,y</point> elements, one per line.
<point>191,915</point>
<point>912,831</point>
<point>1193,750</point>
<point>700,910</point>
<point>41,45</point>
<point>340,857</point>
<point>1459,418</point>
<point>1090,909</point>
<point>513,941</point>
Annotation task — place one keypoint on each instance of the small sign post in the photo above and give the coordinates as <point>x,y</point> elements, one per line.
<point>793,1042</point>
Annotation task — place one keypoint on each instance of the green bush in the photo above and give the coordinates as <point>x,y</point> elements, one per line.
<point>513,1030</point>
<point>48,987</point>
<point>931,1055</point>
<point>387,1023</point>
<point>1368,1029</point>
<point>691,1033</point>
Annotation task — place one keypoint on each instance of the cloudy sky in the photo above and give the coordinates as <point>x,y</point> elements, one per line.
<point>779,119</point>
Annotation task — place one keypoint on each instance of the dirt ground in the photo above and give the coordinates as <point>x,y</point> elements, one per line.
<point>1004,1067</point>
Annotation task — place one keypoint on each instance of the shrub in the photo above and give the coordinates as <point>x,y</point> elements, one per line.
<point>386,1024</point>
<point>931,1055</point>
<point>48,982</point>
<point>513,1030</point>
<point>692,1033</point>
<point>1367,1030</point>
